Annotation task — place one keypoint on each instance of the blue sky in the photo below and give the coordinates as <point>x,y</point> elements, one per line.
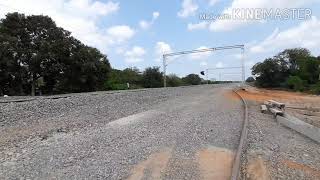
<point>136,33</point>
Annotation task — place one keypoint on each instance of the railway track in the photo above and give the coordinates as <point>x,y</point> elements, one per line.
<point>243,139</point>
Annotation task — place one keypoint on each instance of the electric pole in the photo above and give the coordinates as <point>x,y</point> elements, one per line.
<point>164,71</point>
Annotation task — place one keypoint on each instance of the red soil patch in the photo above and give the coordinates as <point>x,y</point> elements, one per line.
<point>304,106</point>
<point>257,170</point>
<point>231,95</point>
<point>156,164</point>
<point>302,167</point>
<point>215,163</point>
<point>263,95</point>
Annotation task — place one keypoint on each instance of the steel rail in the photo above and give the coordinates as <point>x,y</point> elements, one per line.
<point>236,67</point>
<point>204,50</point>
<point>243,139</point>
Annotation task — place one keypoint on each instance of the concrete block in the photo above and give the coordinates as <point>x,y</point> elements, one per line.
<point>300,126</point>
<point>267,103</point>
<point>276,112</point>
<point>277,104</point>
<point>264,108</point>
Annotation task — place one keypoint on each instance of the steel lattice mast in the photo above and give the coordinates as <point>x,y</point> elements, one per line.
<point>165,56</point>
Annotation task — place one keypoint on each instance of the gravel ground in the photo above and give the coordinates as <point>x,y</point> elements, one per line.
<point>173,133</point>
<point>285,153</point>
<point>44,117</point>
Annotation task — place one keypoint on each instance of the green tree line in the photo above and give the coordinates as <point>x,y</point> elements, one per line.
<point>151,77</point>
<point>294,68</point>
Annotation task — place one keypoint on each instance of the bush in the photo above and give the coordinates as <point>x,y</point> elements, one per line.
<point>115,86</point>
<point>296,83</point>
<point>174,81</point>
<point>271,72</point>
<point>135,86</point>
<point>152,77</point>
<point>316,88</point>
<point>250,79</point>
<point>192,79</point>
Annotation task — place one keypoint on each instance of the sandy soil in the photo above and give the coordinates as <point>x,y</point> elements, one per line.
<point>304,106</point>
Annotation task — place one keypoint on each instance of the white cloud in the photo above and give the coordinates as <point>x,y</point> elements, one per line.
<point>237,56</point>
<point>198,26</point>
<point>249,64</point>
<point>145,24</point>
<point>164,48</point>
<point>219,65</point>
<point>120,50</point>
<point>155,15</point>
<point>135,55</point>
<point>160,49</point>
<point>188,8</point>
<point>203,63</point>
<point>213,2</point>
<point>120,33</point>
<point>231,24</point>
<point>80,17</point>
<point>91,8</point>
<point>306,34</point>
<point>200,56</point>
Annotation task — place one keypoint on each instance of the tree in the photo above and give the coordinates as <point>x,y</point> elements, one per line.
<point>86,70</point>
<point>316,88</point>
<point>295,82</point>
<point>270,73</point>
<point>309,70</point>
<point>294,57</point>
<point>115,81</point>
<point>34,36</point>
<point>13,71</point>
<point>6,64</point>
<point>152,77</point>
<point>131,75</point>
<point>301,63</point>
<point>119,78</point>
<point>293,68</point>
<point>250,79</point>
<point>174,81</point>
<point>192,79</point>
<point>34,48</point>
